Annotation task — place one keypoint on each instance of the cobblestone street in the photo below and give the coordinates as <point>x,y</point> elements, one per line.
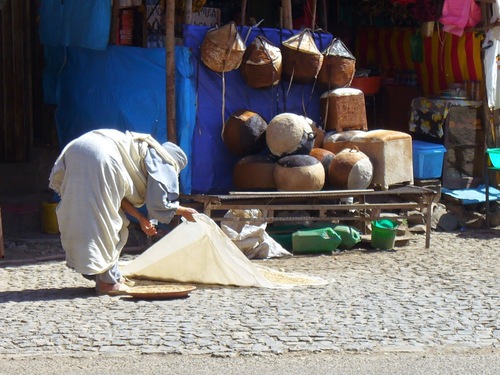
<point>408,300</point>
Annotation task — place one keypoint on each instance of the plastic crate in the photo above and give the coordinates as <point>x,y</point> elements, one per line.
<point>427,159</point>
<point>321,240</point>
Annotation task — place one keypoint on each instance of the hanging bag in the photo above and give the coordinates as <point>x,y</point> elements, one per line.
<point>262,64</point>
<point>222,49</point>
<point>302,59</point>
<point>339,66</point>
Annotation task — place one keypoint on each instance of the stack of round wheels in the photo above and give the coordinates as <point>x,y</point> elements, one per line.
<point>289,134</point>
<point>325,157</point>
<point>254,172</point>
<point>350,169</point>
<point>299,173</point>
<point>244,133</point>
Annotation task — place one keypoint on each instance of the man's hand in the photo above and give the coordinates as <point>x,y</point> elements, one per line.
<point>147,227</point>
<point>186,212</point>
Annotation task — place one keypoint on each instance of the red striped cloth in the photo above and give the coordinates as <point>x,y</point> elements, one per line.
<point>447,58</point>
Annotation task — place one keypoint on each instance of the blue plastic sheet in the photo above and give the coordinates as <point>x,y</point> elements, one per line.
<point>124,88</point>
<point>473,195</point>
<point>75,23</point>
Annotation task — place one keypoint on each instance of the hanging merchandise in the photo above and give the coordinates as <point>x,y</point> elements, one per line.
<point>155,37</point>
<point>459,14</point>
<point>417,48</point>
<point>339,66</point>
<point>126,27</point>
<point>222,49</point>
<point>495,11</point>
<point>302,59</point>
<point>262,64</point>
<point>491,46</point>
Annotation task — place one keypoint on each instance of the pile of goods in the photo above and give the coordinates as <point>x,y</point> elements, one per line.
<point>290,152</point>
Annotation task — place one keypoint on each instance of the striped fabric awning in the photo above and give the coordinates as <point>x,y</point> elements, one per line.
<point>446,58</point>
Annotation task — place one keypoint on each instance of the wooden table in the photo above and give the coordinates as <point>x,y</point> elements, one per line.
<point>367,204</point>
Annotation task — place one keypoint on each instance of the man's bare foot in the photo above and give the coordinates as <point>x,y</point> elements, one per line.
<point>111,289</point>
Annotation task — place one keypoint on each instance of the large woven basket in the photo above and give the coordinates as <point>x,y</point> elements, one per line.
<point>339,66</point>
<point>222,49</point>
<point>302,59</point>
<point>262,64</point>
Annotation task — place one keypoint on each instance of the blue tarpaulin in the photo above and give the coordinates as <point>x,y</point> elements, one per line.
<point>124,88</point>
<point>75,23</point>
<point>473,195</point>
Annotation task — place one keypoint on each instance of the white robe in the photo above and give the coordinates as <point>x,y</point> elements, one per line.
<point>92,175</point>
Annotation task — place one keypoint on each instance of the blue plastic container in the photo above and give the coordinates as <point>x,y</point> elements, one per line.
<point>427,159</point>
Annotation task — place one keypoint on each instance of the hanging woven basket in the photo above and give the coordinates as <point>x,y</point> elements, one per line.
<point>222,49</point>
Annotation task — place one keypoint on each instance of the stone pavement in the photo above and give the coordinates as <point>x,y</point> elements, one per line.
<point>445,298</point>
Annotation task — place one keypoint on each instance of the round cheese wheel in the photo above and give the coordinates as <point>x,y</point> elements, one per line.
<point>299,173</point>
<point>325,157</point>
<point>350,169</point>
<point>244,133</point>
<point>254,172</point>
<point>289,134</point>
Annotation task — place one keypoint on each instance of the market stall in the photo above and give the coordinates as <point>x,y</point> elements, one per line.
<point>207,98</point>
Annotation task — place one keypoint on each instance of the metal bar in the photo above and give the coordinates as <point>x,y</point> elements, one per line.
<point>315,207</point>
<point>188,12</point>
<point>170,69</point>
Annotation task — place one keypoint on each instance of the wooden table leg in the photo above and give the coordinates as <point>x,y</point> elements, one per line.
<point>428,228</point>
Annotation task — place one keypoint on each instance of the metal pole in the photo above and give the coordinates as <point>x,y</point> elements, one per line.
<point>324,17</point>
<point>313,14</point>
<point>287,14</point>
<point>243,12</point>
<point>188,12</point>
<point>170,69</point>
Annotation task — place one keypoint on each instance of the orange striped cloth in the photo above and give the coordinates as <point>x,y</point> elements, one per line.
<point>446,59</point>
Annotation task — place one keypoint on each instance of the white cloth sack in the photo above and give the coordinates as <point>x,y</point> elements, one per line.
<point>199,252</point>
<point>251,236</point>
